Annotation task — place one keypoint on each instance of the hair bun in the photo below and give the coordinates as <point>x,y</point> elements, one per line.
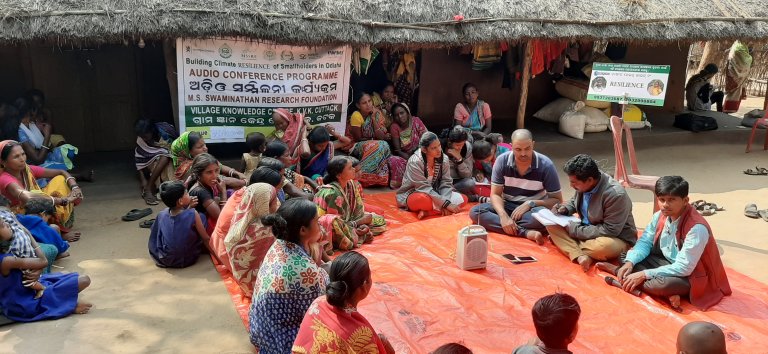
<point>278,224</point>
<point>336,293</point>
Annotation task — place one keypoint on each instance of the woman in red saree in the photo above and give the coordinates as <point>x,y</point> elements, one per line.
<point>332,323</point>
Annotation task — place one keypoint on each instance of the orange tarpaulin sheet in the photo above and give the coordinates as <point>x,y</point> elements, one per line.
<point>385,204</point>
<point>420,298</point>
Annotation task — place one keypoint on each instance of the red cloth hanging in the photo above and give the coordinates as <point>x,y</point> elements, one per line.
<point>537,57</point>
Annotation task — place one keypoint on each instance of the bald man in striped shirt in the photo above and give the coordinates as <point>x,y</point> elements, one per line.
<point>522,180</point>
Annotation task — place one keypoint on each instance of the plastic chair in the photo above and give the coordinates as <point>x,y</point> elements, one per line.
<point>634,180</point>
<point>762,121</point>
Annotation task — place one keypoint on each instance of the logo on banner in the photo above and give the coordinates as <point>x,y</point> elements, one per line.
<point>286,55</point>
<point>225,51</point>
<point>270,55</point>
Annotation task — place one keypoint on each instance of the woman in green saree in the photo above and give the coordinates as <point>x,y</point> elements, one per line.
<point>340,206</point>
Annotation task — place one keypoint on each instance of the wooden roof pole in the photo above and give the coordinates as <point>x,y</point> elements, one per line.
<point>524,85</point>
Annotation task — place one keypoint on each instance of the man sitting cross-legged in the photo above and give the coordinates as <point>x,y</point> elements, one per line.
<point>607,228</point>
<point>677,254</point>
<point>522,180</point>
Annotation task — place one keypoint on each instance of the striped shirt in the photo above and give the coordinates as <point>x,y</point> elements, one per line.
<point>21,243</point>
<point>540,179</point>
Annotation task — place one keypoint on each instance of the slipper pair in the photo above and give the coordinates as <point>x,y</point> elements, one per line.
<point>705,208</point>
<point>758,171</point>
<point>751,211</point>
<point>136,214</point>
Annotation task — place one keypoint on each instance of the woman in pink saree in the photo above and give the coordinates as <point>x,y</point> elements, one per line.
<point>406,130</point>
<point>292,129</point>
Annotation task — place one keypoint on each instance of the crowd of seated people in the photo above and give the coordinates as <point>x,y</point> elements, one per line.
<point>298,197</point>
<point>38,198</point>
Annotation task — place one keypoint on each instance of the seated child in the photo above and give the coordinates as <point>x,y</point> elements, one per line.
<point>178,231</point>
<point>701,338</point>
<point>484,151</point>
<point>677,254</point>
<point>556,318</point>
<point>257,144</point>
<point>20,244</point>
<point>37,218</point>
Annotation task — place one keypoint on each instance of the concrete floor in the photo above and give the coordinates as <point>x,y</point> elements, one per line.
<point>141,308</point>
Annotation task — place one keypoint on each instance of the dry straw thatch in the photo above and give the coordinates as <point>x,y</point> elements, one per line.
<point>383,22</point>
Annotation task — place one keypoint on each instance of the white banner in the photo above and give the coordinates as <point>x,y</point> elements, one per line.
<point>229,87</point>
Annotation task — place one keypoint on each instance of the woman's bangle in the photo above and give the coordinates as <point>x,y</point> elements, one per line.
<point>68,178</point>
<point>74,187</point>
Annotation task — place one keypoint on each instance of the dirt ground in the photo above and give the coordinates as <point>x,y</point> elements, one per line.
<point>141,308</point>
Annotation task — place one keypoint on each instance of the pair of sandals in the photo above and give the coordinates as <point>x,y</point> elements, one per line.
<point>758,171</point>
<point>751,211</point>
<point>136,214</point>
<point>705,208</point>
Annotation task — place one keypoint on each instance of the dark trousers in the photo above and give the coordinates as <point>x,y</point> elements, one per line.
<point>717,98</point>
<point>485,216</point>
<point>662,286</point>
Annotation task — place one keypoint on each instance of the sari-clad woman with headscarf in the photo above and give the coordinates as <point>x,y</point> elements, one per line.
<point>368,129</point>
<point>291,128</point>
<point>736,76</point>
<point>248,240</point>
<point>190,144</point>
<point>18,184</point>
<point>406,130</point>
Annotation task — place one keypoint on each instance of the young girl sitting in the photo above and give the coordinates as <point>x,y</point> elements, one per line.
<point>485,150</point>
<point>257,144</point>
<point>21,245</point>
<point>38,215</point>
<point>210,190</point>
<point>178,231</point>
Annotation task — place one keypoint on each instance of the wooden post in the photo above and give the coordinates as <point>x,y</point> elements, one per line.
<point>524,85</point>
<point>169,53</point>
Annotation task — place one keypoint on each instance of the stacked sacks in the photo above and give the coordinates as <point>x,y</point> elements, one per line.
<point>582,119</point>
<point>576,90</point>
<point>554,110</point>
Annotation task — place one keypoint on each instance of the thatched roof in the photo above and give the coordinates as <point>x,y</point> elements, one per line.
<point>383,22</point>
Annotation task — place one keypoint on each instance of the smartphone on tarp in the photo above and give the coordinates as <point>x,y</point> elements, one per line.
<point>519,259</point>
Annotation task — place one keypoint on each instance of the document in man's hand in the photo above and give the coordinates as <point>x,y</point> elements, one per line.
<point>547,218</point>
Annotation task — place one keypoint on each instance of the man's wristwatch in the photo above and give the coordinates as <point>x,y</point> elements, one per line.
<point>531,204</point>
